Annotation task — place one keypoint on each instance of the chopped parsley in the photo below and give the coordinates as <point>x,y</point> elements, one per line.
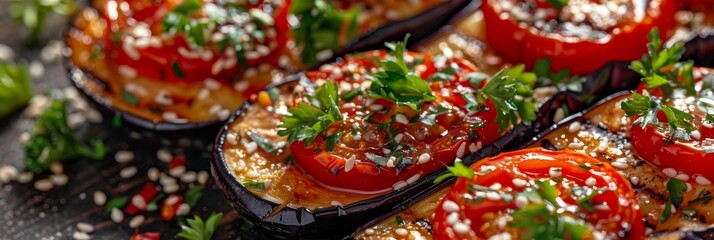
<point>675,189</point>
<point>322,27</point>
<point>254,184</point>
<point>33,13</point>
<point>129,98</point>
<point>458,170</point>
<point>177,69</point>
<point>562,79</point>
<point>15,89</point>
<point>306,121</point>
<point>263,143</point>
<point>647,109</point>
<point>502,90</point>
<point>558,4</point>
<point>119,202</point>
<point>395,82</point>
<point>52,140</point>
<point>197,229</point>
<point>193,194</point>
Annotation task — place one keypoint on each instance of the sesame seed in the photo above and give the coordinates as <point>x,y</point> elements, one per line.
<point>188,177</point>
<point>124,156</point>
<point>574,127</point>
<point>183,209</point>
<point>239,166</point>
<point>127,72</point>
<point>519,182</point>
<point>138,201</point>
<point>449,206</point>
<point>461,151</point>
<point>555,172</point>
<point>502,236</point>
<point>100,198</point>
<point>398,138</point>
<point>202,177</point>
<point>85,227</point>
<point>153,174</point>
<point>203,94</point>
<point>211,84</point>
<point>217,66</point>
<point>670,172</point>
<point>350,163</point>
<point>399,185</point>
<point>232,138</point>
<point>250,147</point>
<point>590,182</point>
<point>461,228</point>
<point>80,236</point>
<point>172,200</point>
<point>400,118</point>
<point>390,162</point>
<point>413,179</point>
<point>24,137</point>
<point>25,177</point>
<point>423,158</point>
<point>620,164</point>
<point>634,180</point>
<point>223,114</point>
<point>59,179</point>
<point>452,218</point>
<point>493,196</point>
<point>495,186</point>
<point>117,215</point>
<point>682,176</point>
<point>695,134</point>
<point>575,146</point>
<point>701,180</point>
<point>177,171</point>
<point>401,231</point>
<point>56,167</point>
<point>8,173</point>
<point>170,187</point>
<point>136,221</point>
<point>376,107</point>
<point>602,207</point>
<point>43,185</point>
<point>521,201</point>
<point>128,172</point>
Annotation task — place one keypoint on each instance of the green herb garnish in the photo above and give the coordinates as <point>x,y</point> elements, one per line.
<point>116,203</point>
<point>458,170</point>
<point>53,140</point>
<point>675,188</point>
<point>15,89</point>
<point>306,121</point>
<point>558,4</point>
<point>33,13</point>
<point>502,90</point>
<point>254,184</point>
<point>396,83</point>
<point>322,27</point>
<point>647,108</point>
<point>177,69</point>
<point>197,229</point>
<point>193,194</point>
<point>262,142</point>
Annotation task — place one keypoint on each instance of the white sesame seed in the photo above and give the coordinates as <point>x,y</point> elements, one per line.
<point>183,209</point>
<point>85,227</point>
<point>495,186</point>
<point>188,177</point>
<point>223,114</point>
<point>164,155</point>
<point>177,171</point>
<point>696,135</point>
<point>413,178</point>
<point>521,201</point>
<point>602,207</point>
<point>390,162</point>
<point>452,218</point>
<point>81,236</point>
<point>59,179</point>
<point>398,138</point>
<point>239,166</point>
<point>461,150</point>
<point>124,156</point>
<point>620,164</point>
<point>172,200</point>
<point>170,187</point>
<point>350,163</point>
<point>689,187</point>
<point>128,172</point>
<point>400,118</point>
<point>212,84</point>
<point>6,53</point>
<point>634,180</point>
<point>401,231</point>
<point>324,55</point>
<point>136,221</point>
<point>369,231</point>
<point>36,69</point>
<point>386,151</point>
<point>574,127</point>
<point>75,120</point>
<point>202,177</point>
<point>100,198</point>
<point>94,116</point>
<point>682,176</point>
<point>670,172</point>
<point>217,66</point>
<point>591,181</point>
<point>232,138</point>
<point>56,167</point>
<point>461,228</point>
<point>43,185</point>
<point>153,174</point>
<point>117,215</point>
<point>138,201</point>
<point>203,94</point>
<point>399,185</point>
<point>376,107</point>
<point>501,236</point>
<point>493,196</point>
<point>25,177</point>
<point>701,180</point>
<point>449,206</point>
<point>127,72</point>
<point>575,146</point>
<point>519,182</point>
<point>555,172</point>
<point>250,147</point>
<point>423,158</point>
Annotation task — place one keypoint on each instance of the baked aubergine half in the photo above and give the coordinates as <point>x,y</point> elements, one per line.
<point>332,148</point>
<point>175,65</point>
<point>655,137</point>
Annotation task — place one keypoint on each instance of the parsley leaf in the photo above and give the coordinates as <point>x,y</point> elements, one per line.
<point>643,106</point>
<point>33,13</point>
<point>322,27</point>
<point>561,79</point>
<point>675,188</point>
<point>558,4</point>
<point>656,66</point>
<point>502,91</point>
<point>15,89</point>
<point>197,229</point>
<point>538,222</point>
<point>306,121</point>
<point>458,170</point>
<point>396,83</point>
<point>679,127</point>
<point>53,140</point>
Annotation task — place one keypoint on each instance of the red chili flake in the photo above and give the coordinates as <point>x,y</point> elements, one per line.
<point>178,160</point>
<point>146,236</point>
<point>148,193</point>
<point>170,206</point>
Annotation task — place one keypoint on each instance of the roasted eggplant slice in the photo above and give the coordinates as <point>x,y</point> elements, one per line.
<point>171,66</point>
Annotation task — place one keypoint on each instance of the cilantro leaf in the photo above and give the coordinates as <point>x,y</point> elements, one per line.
<point>197,229</point>
<point>396,83</point>
<point>53,140</point>
<point>323,27</point>
<point>458,170</point>
<point>306,121</point>
<point>15,89</point>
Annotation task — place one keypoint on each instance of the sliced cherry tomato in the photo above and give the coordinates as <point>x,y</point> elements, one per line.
<point>582,36</point>
<point>373,135</point>
<point>146,235</point>
<point>652,143</point>
<point>566,186</point>
<point>148,192</point>
<point>136,41</point>
<point>170,206</point>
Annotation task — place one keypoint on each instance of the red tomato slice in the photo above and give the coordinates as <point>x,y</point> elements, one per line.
<point>135,40</point>
<point>485,205</point>
<point>686,157</point>
<point>452,135</point>
<point>530,30</point>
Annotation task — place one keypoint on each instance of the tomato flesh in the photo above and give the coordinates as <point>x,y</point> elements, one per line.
<point>512,173</point>
<point>521,41</point>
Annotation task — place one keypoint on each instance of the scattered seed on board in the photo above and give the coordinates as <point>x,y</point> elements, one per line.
<point>128,172</point>
<point>100,198</point>
<point>153,174</point>
<point>59,179</point>
<point>43,185</point>
<point>138,201</point>
<point>183,209</point>
<point>202,177</point>
<point>117,215</point>
<point>177,171</point>
<point>171,188</point>
<point>188,177</point>
<point>164,155</point>
<point>136,221</point>
<point>80,236</point>
<point>56,167</point>
<point>124,156</point>
<point>25,177</point>
<point>85,227</point>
